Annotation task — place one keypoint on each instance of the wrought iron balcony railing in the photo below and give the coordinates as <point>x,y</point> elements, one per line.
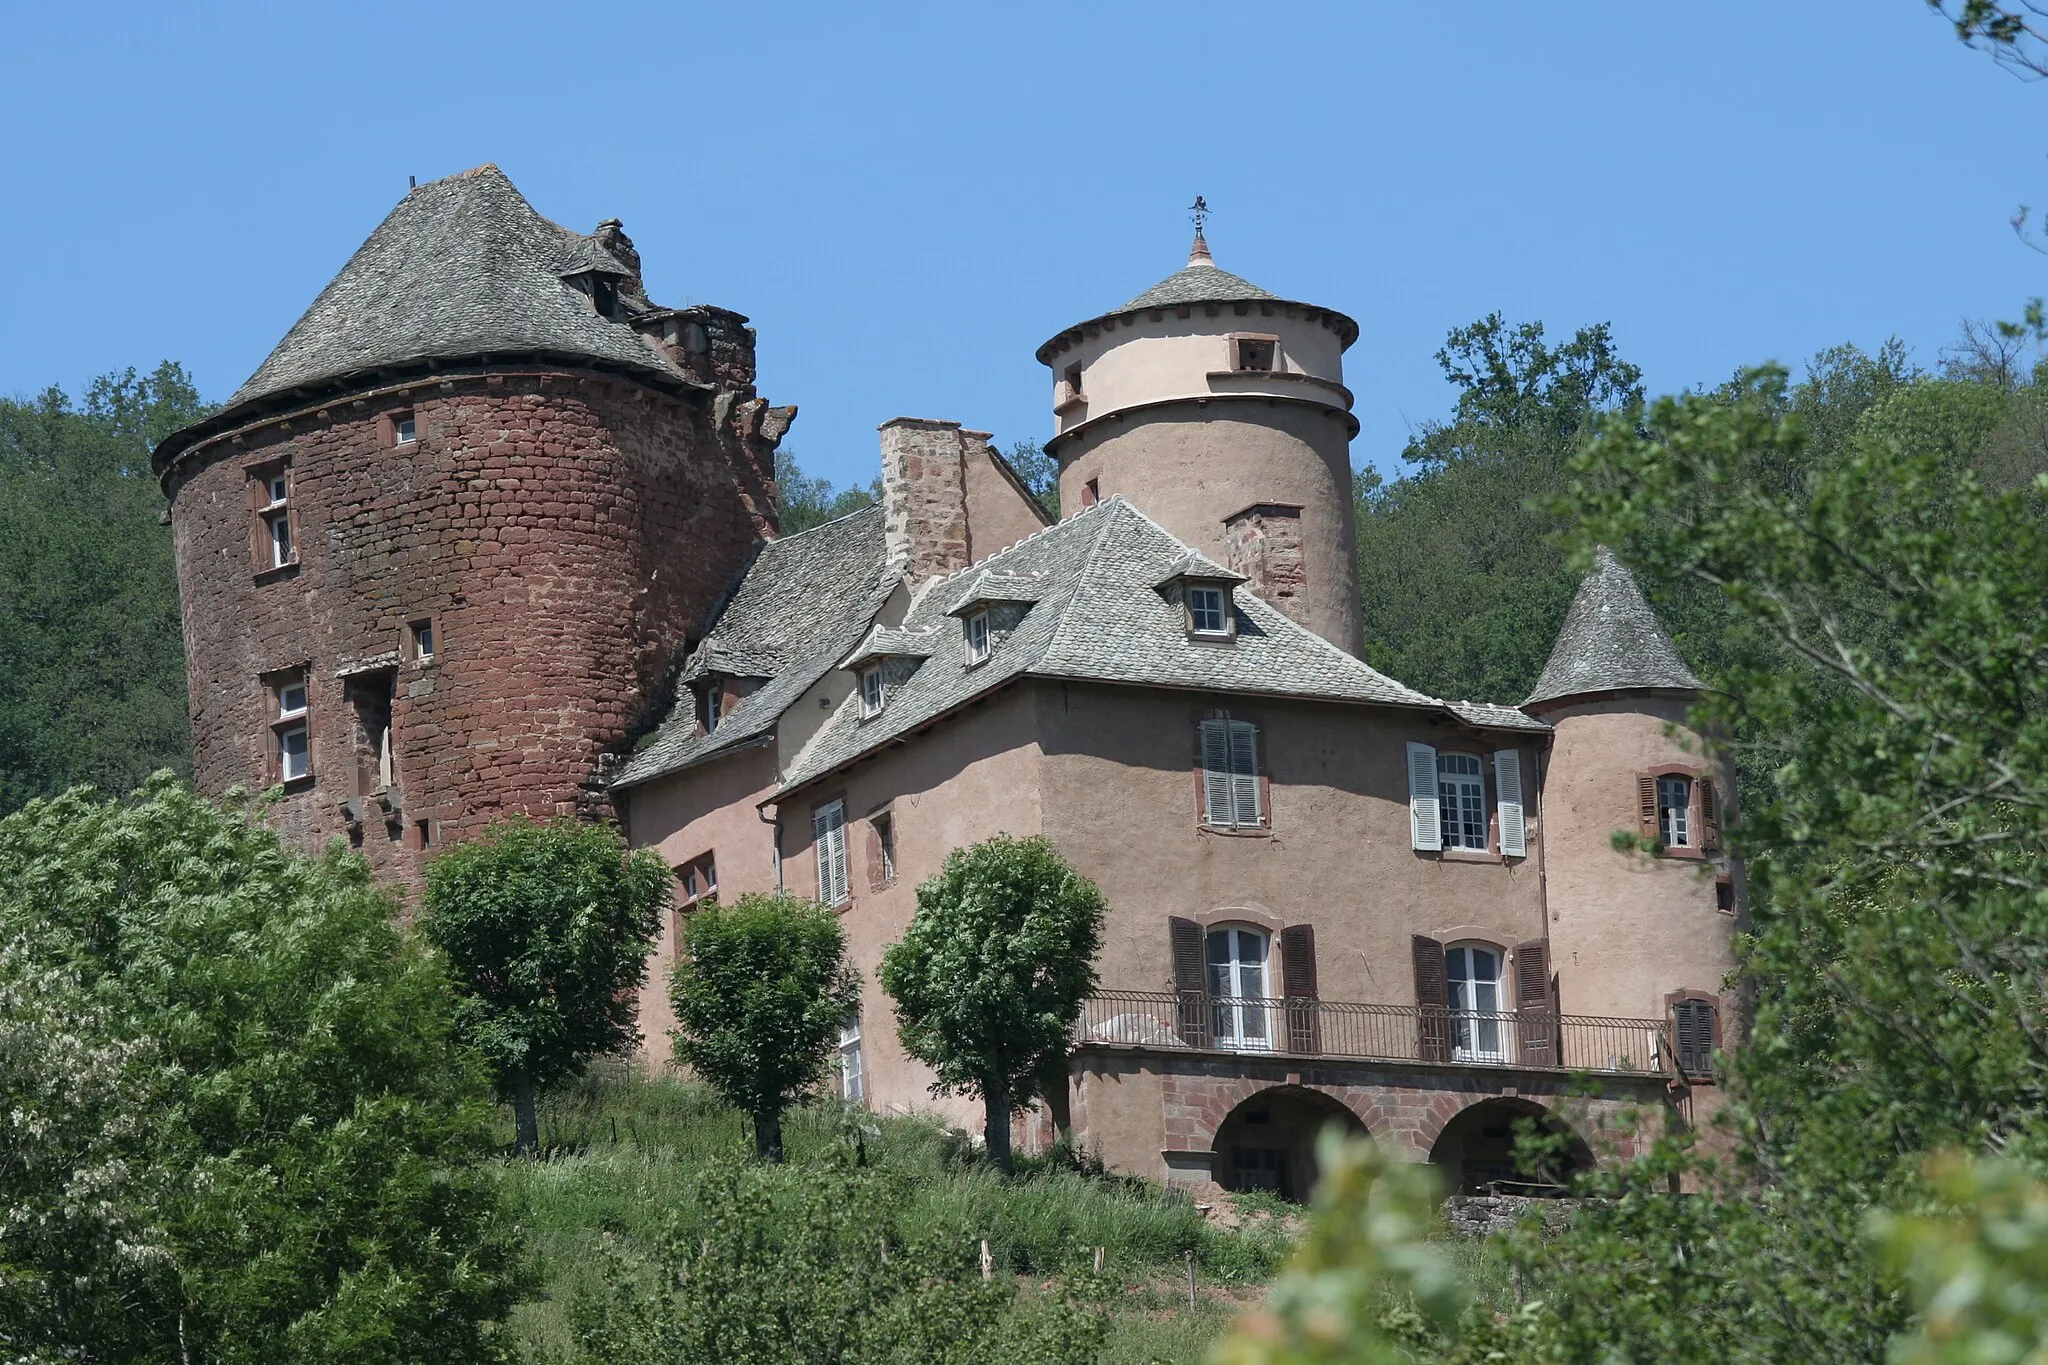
<point>1399,1033</point>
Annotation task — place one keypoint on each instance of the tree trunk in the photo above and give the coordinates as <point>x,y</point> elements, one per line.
<point>768,1136</point>
<point>524,1114</point>
<point>998,1128</point>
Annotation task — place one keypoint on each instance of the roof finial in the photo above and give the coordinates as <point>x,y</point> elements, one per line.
<point>1198,254</point>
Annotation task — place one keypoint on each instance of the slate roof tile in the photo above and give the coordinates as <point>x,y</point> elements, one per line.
<point>1611,641</point>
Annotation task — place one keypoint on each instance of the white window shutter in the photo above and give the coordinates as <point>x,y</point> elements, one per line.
<point>1217,798</point>
<point>1244,771</point>
<point>1425,829</point>
<point>829,827</point>
<point>1507,781</point>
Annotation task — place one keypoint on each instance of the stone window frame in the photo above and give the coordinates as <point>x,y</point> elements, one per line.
<point>883,865</point>
<point>402,428</point>
<point>1262,771</point>
<point>282,720</point>
<point>422,643</point>
<point>1712,1001</point>
<point>1237,355</point>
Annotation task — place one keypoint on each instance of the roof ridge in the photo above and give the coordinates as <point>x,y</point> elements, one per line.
<point>1055,641</point>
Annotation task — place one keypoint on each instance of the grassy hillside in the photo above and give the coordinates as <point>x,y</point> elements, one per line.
<point>625,1156</point>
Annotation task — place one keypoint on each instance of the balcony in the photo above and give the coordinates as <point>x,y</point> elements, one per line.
<point>1164,1021</point>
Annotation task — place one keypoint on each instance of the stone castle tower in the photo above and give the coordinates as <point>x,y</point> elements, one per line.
<point>1625,758</point>
<point>1220,409</point>
<point>441,550</point>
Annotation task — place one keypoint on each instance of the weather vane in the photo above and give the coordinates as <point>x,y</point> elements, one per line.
<point>1199,211</point>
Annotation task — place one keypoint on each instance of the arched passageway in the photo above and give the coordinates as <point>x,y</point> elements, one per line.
<point>1268,1142</point>
<point>1476,1150</point>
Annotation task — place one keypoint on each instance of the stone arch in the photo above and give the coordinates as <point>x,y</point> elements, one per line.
<point>1267,1141</point>
<point>1475,1147</point>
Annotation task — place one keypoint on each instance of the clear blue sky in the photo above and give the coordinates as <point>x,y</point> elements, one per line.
<point>907,199</point>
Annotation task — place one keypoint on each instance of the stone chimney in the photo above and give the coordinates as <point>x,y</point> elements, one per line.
<point>924,494</point>
<point>1263,542</point>
<point>611,235</point>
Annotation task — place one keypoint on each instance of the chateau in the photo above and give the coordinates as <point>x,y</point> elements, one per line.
<point>492,532</point>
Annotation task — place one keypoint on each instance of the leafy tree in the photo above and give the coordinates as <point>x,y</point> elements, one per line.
<point>804,501</point>
<point>759,996</point>
<point>237,1124</point>
<point>92,663</point>
<point>990,977</point>
<point>1040,473</point>
<point>548,927</point>
<point>819,1267</point>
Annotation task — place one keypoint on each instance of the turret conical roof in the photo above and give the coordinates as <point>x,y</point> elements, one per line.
<point>1611,641</point>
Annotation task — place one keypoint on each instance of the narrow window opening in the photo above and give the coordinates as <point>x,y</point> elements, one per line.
<point>1674,811</point>
<point>291,743</point>
<point>852,1083</point>
<point>370,697</point>
<point>885,846</point>
<point>711,704</point>
<point>276,484</point>
<point>403,430</point>
<point>423,833</point>
<point>872,694</point>
<point>1724,895</point>
<point>604,293</point>
<point>1073,381</point>
<point>828,829</point>
<point>422,635</point>
<point>696,882</point>
<point>1254,355</point>
<point>1091,493</point>
<point>977,638</point>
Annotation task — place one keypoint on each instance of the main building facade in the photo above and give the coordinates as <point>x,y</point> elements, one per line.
<point>491,532</point>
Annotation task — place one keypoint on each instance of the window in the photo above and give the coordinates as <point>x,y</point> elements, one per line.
<point>1252,353</point>
<point>422,633</point>
<point>423,834</point>
<point>872,693</point>
<point>1206,612</point>
<point>1473,973</point>
<point>290,728</point>
<point>1724,894</point>
<point>696,882</point>
<point>1237,983</point>
<point>1091,492</point>
<point>1692,1028</point>
<point>852,1081</point>
<point>1461,793</point>
<point>884,826</point>
<point>828,828</point>
<point>280,524</point>
<point>1230,774</point>
<point>709,707</point>
<point>1073,381</point>
<point>1674,811</point>
<point>403,432</point>
<point>977,638</point>
<point>604,295</point>
<point>275,485</point>
<point>273,538</point>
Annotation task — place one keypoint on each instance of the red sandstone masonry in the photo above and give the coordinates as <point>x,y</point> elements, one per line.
<point>566,532</point>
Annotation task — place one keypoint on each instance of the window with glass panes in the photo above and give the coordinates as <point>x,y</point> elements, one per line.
<point>1674,811</point>
<point>1237,986</point>
<point>1461,796</point>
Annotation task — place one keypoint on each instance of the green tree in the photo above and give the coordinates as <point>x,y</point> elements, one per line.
<point>548,927</point>
<point>759,993</point>
<point>92,662</point>
<point>237,1126</point>
<point>803,500</point>
<point>990,977</point>
<point>819,1267</point>
<point>1039,472</point>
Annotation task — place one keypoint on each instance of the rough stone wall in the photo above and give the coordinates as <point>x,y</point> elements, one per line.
<point>1264,544</point>
<point>924,493</point>
<point>566,534</point>
<point>1490,1215</point>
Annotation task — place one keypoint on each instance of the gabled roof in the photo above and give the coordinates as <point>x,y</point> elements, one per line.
<point>1101,618</point>
<point>462,267</point>
<point>1611,641</point>
<point>803,602</point>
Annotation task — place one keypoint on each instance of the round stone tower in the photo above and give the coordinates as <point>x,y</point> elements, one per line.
<point>1220,410</point>
<point>438,554</point>
<point>1635,934</point>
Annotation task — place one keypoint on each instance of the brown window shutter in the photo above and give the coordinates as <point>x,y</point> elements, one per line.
<point>1646,805</point>
<point>1433,996</point>
<point>1536,1022</point>
<point>1190,982</point>
<point>1710,814</point>
<point>1693,1027</point>
<point>1298,983</point>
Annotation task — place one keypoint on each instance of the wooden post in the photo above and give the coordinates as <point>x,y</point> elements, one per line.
<point>988,1265</point>
<point>1191,1281</point>
<point>1098,1260</point>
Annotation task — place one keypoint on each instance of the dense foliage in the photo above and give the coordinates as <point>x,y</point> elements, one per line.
<point>760,991</point>
<point>548,927</point>
<point>92,665</point>
<point>817,1267</point>
<point>236,1125</point>
<point>990,976</point>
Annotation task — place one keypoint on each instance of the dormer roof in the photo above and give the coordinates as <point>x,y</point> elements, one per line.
<point>1611,641</point>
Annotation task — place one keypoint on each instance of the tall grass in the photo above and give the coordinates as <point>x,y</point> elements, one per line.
<point>623,1155</point>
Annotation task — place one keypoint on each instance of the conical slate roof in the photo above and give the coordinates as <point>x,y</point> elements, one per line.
<point>1199,281</point>
<point>1611,641</point>
<point>462,267</point>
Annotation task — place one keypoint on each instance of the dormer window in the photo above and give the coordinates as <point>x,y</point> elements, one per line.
<point>1208,611</point>
<point>873,695</point>
<point>604,295</point>
<point>977,638</point>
